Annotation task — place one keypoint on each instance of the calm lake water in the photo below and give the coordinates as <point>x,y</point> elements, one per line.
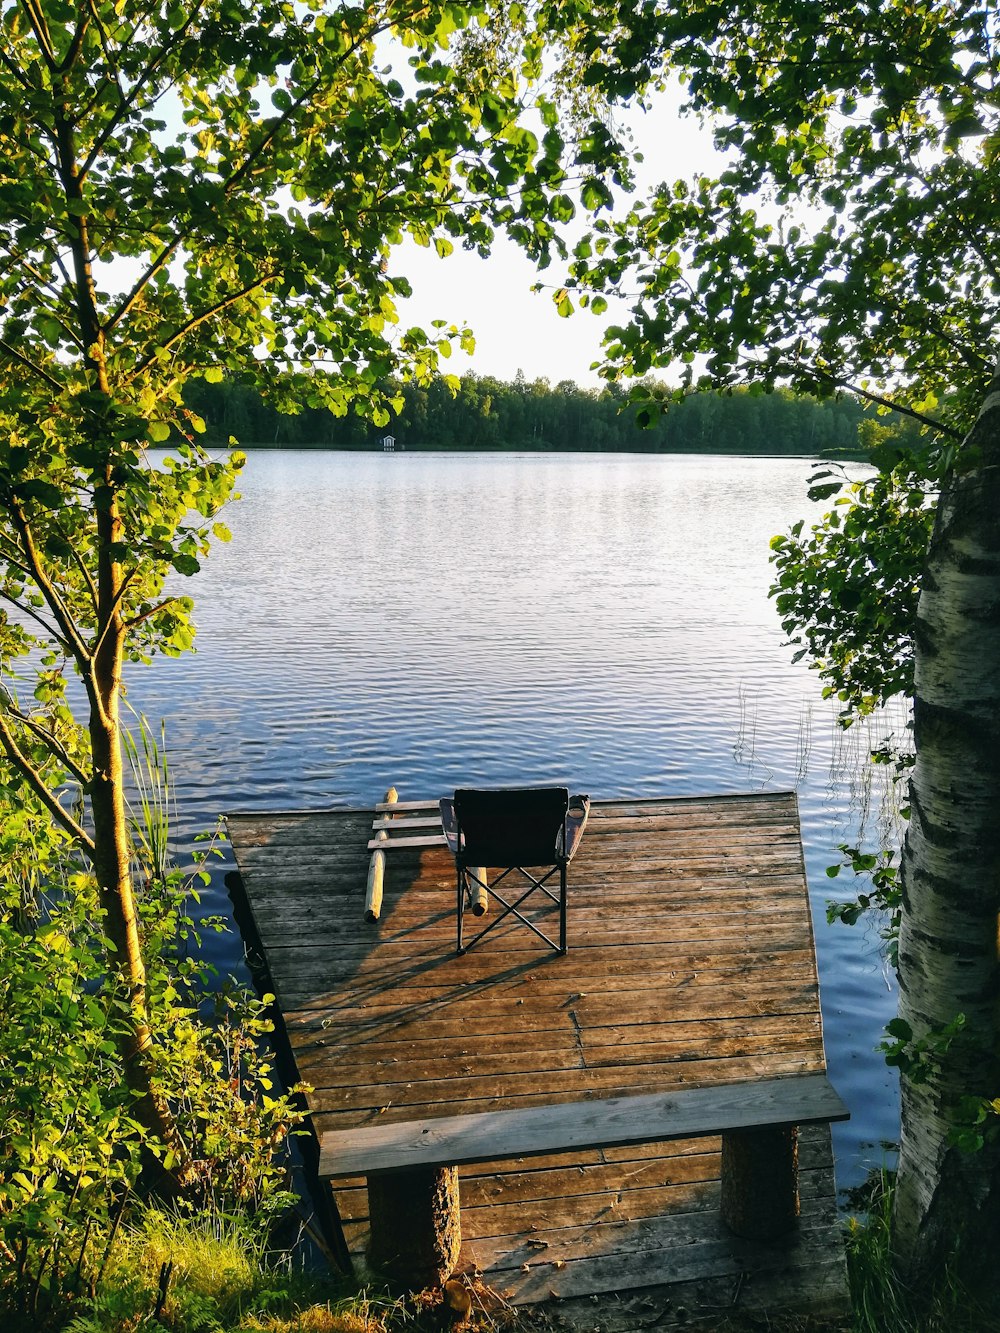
<point>430,620</point>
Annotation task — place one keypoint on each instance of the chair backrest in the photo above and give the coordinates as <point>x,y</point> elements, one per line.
<point>516,826</point>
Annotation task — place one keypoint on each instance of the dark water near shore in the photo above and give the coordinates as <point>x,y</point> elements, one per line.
<point>429,620</point>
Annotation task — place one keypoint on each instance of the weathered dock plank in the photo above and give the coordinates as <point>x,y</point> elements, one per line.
<point>691,963</point>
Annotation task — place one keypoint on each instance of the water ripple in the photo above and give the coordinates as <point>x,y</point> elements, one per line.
<point>600,620</point>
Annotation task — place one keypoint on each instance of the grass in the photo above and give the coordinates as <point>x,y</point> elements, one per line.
<point>211,1275</point>
<point>881,1302</point>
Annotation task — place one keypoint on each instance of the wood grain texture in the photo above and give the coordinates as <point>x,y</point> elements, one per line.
<point>691,964</point>
<point>536,1131</point>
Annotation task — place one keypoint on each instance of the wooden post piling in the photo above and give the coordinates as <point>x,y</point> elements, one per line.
<point>416,1225</point>
<point>760,1181</point>
<point>376,871</point>
<point>478,897</point>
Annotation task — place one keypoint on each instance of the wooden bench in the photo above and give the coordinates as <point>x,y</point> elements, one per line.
<point>411,1166</point>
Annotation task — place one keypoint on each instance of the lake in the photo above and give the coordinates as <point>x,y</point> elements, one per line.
<point>600,620</point>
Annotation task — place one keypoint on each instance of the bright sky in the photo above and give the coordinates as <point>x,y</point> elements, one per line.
<point>520,330</point>
<point>515,328</point>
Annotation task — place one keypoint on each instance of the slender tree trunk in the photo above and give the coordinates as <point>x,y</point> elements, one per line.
<point>103,675</point>
<point>112,844</point>
<point>948,1201</point>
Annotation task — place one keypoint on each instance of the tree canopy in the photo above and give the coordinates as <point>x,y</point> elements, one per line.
<point>851,243</point>
<point>187,189</point>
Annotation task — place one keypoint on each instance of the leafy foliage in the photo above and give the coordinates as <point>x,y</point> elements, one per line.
<point>848,244</point>
<point>882,896</point>
<point>68,1144</point>
<point>850,241</point>
<point>71,1147</point>
<point>846,587</point>
<point>190,190</point>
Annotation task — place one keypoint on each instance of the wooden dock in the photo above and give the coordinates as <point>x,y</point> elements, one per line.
<point>691,962</point>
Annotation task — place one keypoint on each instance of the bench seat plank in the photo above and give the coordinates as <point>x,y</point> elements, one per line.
<point>536,1131</point>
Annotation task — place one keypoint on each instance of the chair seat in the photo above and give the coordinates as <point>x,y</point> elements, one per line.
<point>513,831</point>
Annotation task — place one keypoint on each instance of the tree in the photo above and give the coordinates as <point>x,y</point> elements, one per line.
<point>194,188</point>
<point>851,245</point>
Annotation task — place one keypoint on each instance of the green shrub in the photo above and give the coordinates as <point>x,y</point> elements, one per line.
<point>74,1163</point>
<point>68,1146</point>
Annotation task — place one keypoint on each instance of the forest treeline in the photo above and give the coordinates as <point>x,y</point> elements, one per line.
<point>488,413</point>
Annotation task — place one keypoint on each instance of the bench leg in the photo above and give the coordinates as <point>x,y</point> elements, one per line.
<point>760,1181</point>
<point>416,1227</point>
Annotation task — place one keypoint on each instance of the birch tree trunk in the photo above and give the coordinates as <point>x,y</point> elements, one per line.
<point>948,1201</point>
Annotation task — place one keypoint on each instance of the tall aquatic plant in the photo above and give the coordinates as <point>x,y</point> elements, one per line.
<point>152,807</point>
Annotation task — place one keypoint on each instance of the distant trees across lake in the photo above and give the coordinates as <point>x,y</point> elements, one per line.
<point>488,413</point>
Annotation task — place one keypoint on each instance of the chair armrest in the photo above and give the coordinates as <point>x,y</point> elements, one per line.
<point>576,822</point>
<point>449,824</point>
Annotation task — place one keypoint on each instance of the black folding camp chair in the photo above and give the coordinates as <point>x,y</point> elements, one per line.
<point>511,830</point>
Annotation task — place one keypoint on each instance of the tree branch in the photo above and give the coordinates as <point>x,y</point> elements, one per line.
<point>30,365</point>
<point>242,171</point>
<point>50,631</point>
<point>47,588</point>
<point>15,72</point>
<point>36,781</point>
<point>76,45</point>
<point>952,207</point>
<point>972,359</point>
<point>870,397</point>
<point>164,344</point>
<point>50,740</point>
<point>78,560</point>
<point>153,610</point>
<point>142,282</point>
<point>40,28</point>
<point>18,259</point>
<point>128,100</point>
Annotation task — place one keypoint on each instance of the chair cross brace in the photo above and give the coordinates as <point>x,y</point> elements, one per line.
<point>464,896</point>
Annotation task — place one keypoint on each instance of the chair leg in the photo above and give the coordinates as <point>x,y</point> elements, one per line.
<point>562,908</point>
<point>460,910</point>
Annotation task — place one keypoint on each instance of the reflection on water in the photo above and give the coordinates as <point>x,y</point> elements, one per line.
<point>430,620</point>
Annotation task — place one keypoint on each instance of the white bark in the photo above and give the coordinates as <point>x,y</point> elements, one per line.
<point>948,1201</point>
